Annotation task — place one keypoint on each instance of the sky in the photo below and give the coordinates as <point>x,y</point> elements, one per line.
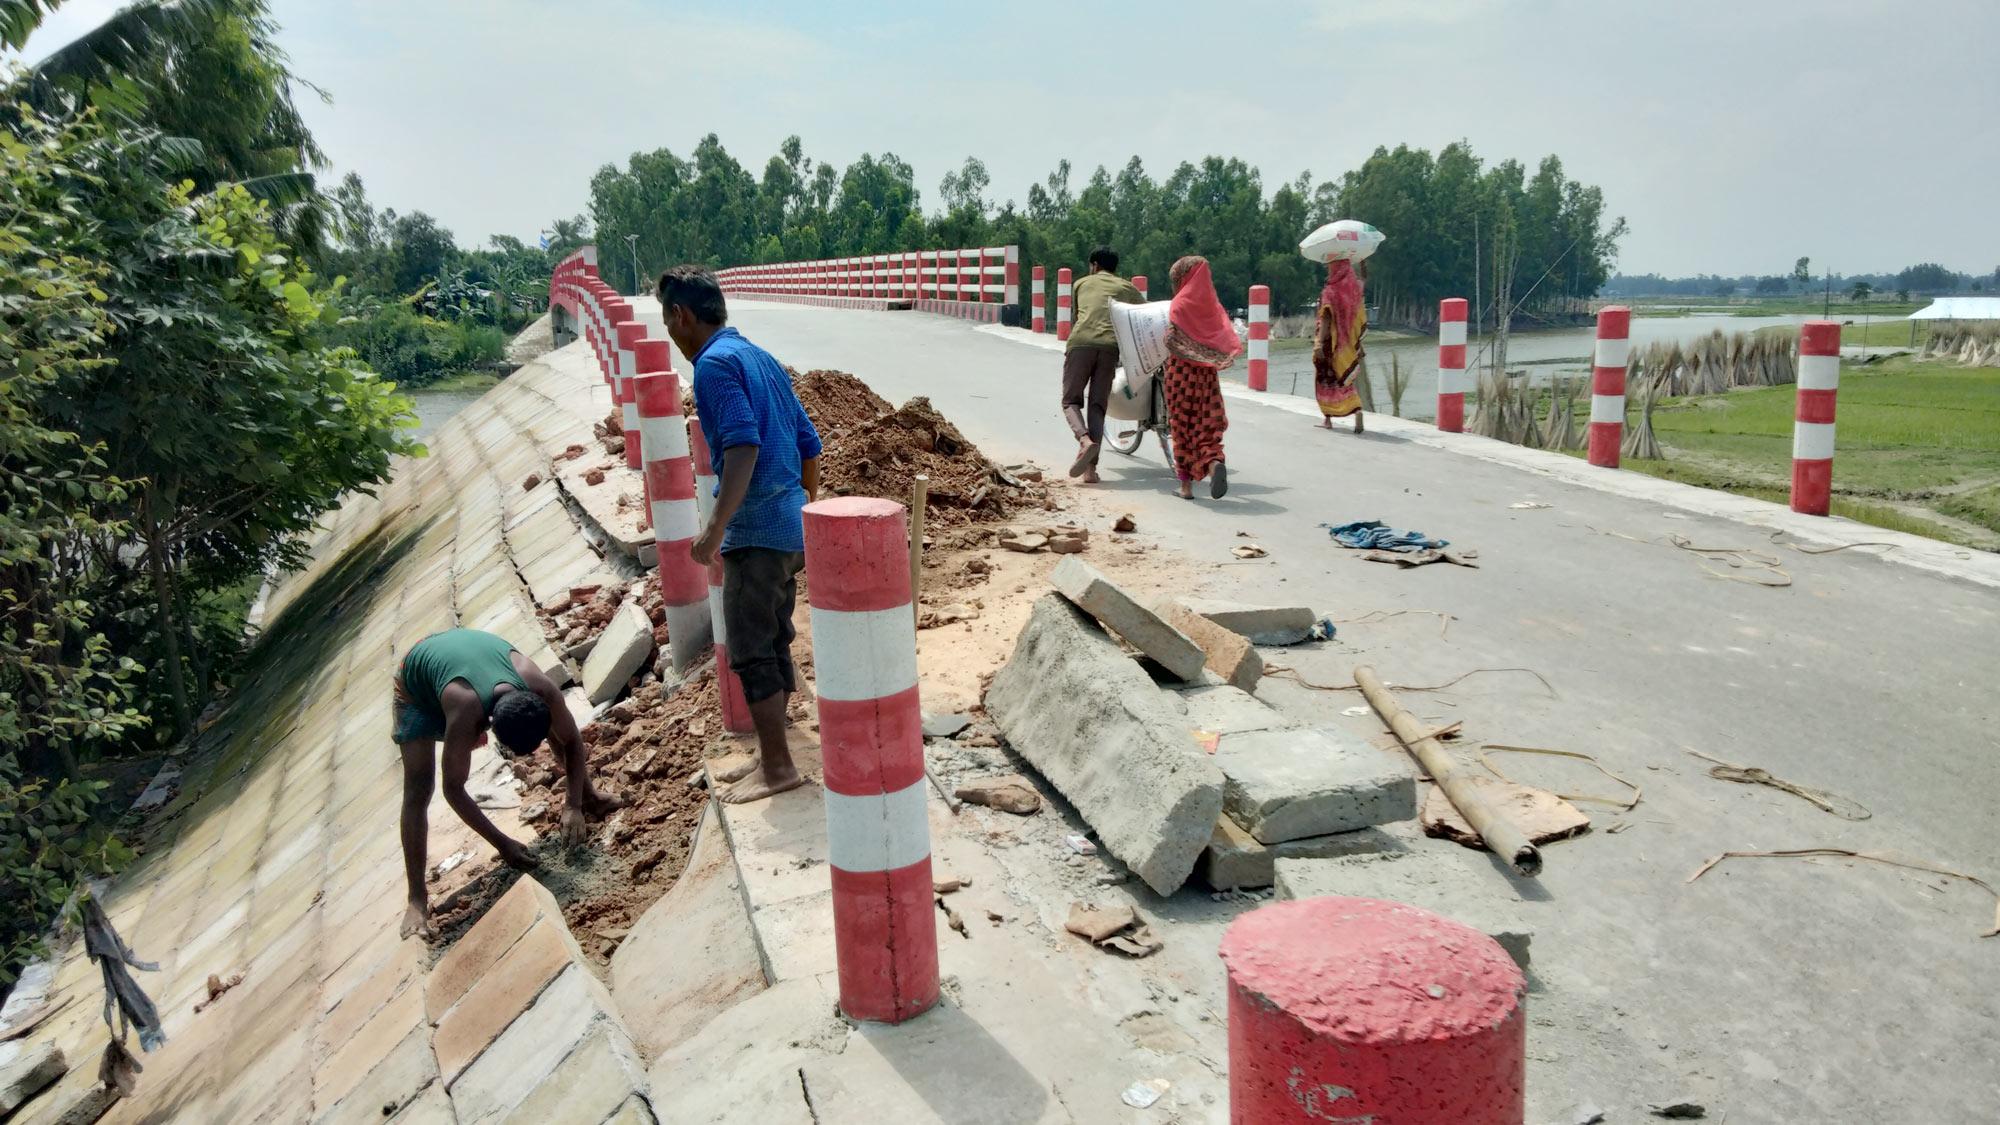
<point>1733,137</point>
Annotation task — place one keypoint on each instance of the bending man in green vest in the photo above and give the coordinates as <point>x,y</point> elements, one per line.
<point>452,686</point>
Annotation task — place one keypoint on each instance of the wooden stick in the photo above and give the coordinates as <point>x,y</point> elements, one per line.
<point>920,491</point>
<point>1502,838</point>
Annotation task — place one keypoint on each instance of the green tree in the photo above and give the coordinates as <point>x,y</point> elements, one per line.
<point>1802,272</point>
<point>1860,291</point>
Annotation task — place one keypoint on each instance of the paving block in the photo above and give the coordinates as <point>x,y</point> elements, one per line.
<point>525,903</point>
<point>635,1111</point>
<point>1227,654</point>
<point>1290,784</point>
<point>1234,860</point>
<point>1455,882</point>
<point>349,1065</point>
<point>1222,709</point>
<point>525,1055</point>
<point>1100,597</point>
<point>621,649</point>
<point>393,1083</point>
<point>591,1085</point>
<point>1263,624</point>
<point>501,994</point>
<point>763,1068</point>
<point>26,1069</point>
<point>1098,728</point>
<point>692,954</point>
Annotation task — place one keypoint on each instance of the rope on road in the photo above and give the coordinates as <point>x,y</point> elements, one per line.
<point>1625,803</point>
<point>1444,619</point>
<point>1871,857</point>
<point>1834,803</point>
<point>1293,675</point>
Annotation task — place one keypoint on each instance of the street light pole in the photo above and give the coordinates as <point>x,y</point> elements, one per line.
<point>632,243</point>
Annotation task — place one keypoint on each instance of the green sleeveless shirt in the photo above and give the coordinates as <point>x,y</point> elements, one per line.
<point>479,658</point>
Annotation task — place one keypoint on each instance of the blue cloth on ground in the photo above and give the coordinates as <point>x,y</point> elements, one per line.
<point>1373,535</point>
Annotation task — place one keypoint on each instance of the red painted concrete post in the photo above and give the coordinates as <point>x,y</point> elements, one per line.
<point>1812,425</point>
<point>1260,337</point>
<point>1010,275</point>
<point>1607,384</point>
<point>1062,304</point>
<point>670,499</point>
<point>872,748</point>
<point>1139,283</point>
<point>630,334</point>
<point>735,710</point>
<point>1352,1009</point>
<point>1451,365</point>
<point>1038,284</point>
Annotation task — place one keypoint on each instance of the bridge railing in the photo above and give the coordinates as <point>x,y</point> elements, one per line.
<point>976,283</point>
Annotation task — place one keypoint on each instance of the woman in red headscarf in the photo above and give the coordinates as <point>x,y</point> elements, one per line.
<point>1337,350</point>
<point>1200,343</point>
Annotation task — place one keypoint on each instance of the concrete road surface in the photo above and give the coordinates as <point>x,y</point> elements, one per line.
<point>1771,989</point>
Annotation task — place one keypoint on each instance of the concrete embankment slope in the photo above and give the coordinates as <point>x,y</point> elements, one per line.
<point>279,859</point>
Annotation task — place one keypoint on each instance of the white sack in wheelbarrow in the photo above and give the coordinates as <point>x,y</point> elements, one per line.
<point>1142,335</point>
<point>1127,402</point>
<point>1351,239</point>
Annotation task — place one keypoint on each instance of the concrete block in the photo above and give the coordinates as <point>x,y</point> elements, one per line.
<point>1222,709</point>
<point>1263,624</point>
<point>532,1047</point>
<point>635,1111</point>
<point>692,954</point>
<point>591,1085</point>
<point>462,966</point>
<point>1455,882</point>
<point>396,1081</point>
<point>621,650</point>
<point>1100,597</point>
<point>1235,860</point>
<point>1083,713</point>
<point>762,1067</point>
<point>1227,654</point>
<point>1290,784</point>
<point>501,994</point>
<point>26,1070</point>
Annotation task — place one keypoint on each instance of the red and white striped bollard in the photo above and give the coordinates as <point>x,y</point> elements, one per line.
<point>630,334</point>
<point>1063,299</point>
<point>1451,365</point>
<point>1037,293</point>
<point>872,748</point>
<point>1812,425</point>
<point>1607,384</point>
<point>1259,344</point>
<point>735,709</point>
<point>670,499</point>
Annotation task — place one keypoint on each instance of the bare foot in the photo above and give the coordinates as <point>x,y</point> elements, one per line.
<point>1091,477</point>
<point>417,920</point>
<point>600,805</point>
<point>758,785</point>
<point>735,771</point>
<point>1326,423</point>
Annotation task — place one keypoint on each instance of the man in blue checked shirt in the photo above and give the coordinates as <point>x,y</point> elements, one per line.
<point>766,452</point>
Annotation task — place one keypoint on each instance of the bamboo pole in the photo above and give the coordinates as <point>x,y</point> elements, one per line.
<point>1502,838</point>
<point>920,491</point>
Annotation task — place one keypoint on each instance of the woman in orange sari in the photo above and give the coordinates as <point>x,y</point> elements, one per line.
<point>1200,343</point>
<point>1337,344</point>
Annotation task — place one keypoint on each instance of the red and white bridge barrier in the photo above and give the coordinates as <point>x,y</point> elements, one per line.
<point>975,284</point>
<point>1038,300</point>
<point>1259,344</point>
<point>735,709</point>
<point>1452,379</point>
<point>1064,297</point>
<point>1607,384</point>
<point>1812,425</point>
<point>670,499</point>
<point>872,749</point>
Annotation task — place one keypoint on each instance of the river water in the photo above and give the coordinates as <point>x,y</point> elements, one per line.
<point>1557,352</point>
<point>435,408</point>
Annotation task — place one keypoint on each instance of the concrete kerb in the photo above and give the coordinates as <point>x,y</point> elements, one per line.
<point>1931,555</point>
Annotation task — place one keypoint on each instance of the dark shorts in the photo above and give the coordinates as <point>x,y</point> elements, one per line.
<point>413,724</point>
<point>759,591</point>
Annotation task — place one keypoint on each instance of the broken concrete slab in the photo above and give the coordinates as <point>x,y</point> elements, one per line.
<point>1222,709</point>
<point>692,954</point>
<point>1228,653</point>
<point>1143,629</point>
<point>1234,860</point>
<point>1291,784</point>
<point>763,1069</point>
<point>1263,624</point>
<point>1460,885</point>
<point>620,651</point>
<point>1083,713</point>
<point>26,1069</point>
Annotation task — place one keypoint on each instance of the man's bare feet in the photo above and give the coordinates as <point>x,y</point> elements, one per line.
<point>1326,422</point>
<point>417,920</point>
<point>1091,477</point>
<point>759,784</point>
<point>600,805</point>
